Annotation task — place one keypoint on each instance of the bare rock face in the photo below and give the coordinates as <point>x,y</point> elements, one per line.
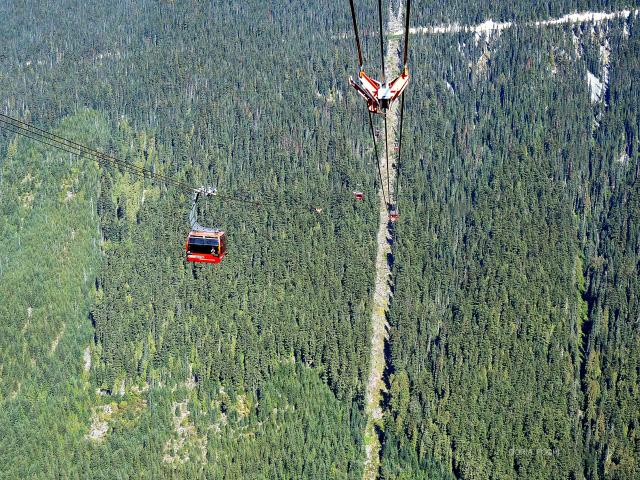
<point>99,423</point>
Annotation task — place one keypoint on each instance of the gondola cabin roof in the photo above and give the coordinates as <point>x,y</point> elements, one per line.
<point>207,233</point>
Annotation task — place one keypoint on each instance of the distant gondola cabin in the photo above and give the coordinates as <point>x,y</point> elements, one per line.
<point>206,247</point>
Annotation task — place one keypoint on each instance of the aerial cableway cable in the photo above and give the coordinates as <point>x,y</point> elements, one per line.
<point>381,38</point>
<point>375,150</point>
<point>56,141</point>
<point>386,136</point>
<point>405,60</point>
<point>406,32</point>
<point>386,152</point>
<point>60,146</point>
<point>361,65</point>
<point>45,137</point>
<point>61,143</point>
<point>355,29</point>
<point>399,148</point>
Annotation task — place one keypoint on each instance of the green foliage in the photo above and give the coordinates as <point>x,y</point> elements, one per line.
<point>243,98</point>
<point>299,426</point>
<point>514,334</point>
<point>48,239</point>
<point>400,461</point>
<point>519,241</point>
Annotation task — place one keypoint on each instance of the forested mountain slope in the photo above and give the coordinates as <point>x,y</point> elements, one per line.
<point>48,239</point>
<point>514,343</point>
<point>192,363</point>
<point>514,340</point>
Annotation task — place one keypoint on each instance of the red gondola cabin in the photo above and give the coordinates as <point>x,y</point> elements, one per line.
<point>359,196</point>
<point>206,247</point>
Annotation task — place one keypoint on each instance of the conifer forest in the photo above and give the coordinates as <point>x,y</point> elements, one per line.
<point>492,331</point>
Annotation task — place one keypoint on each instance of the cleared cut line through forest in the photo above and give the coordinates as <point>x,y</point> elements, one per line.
<point>382,292</point>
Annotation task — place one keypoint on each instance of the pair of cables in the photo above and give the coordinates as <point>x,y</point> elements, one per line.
<point>32,132</point>
<point>386,197</point>
<point>53,140</point>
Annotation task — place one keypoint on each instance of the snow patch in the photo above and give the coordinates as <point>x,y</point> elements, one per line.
<point>600,86</point>
<point>486,28</point>
<point>583,17</point>
<point>595,86</point>
<point>489,27</point>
